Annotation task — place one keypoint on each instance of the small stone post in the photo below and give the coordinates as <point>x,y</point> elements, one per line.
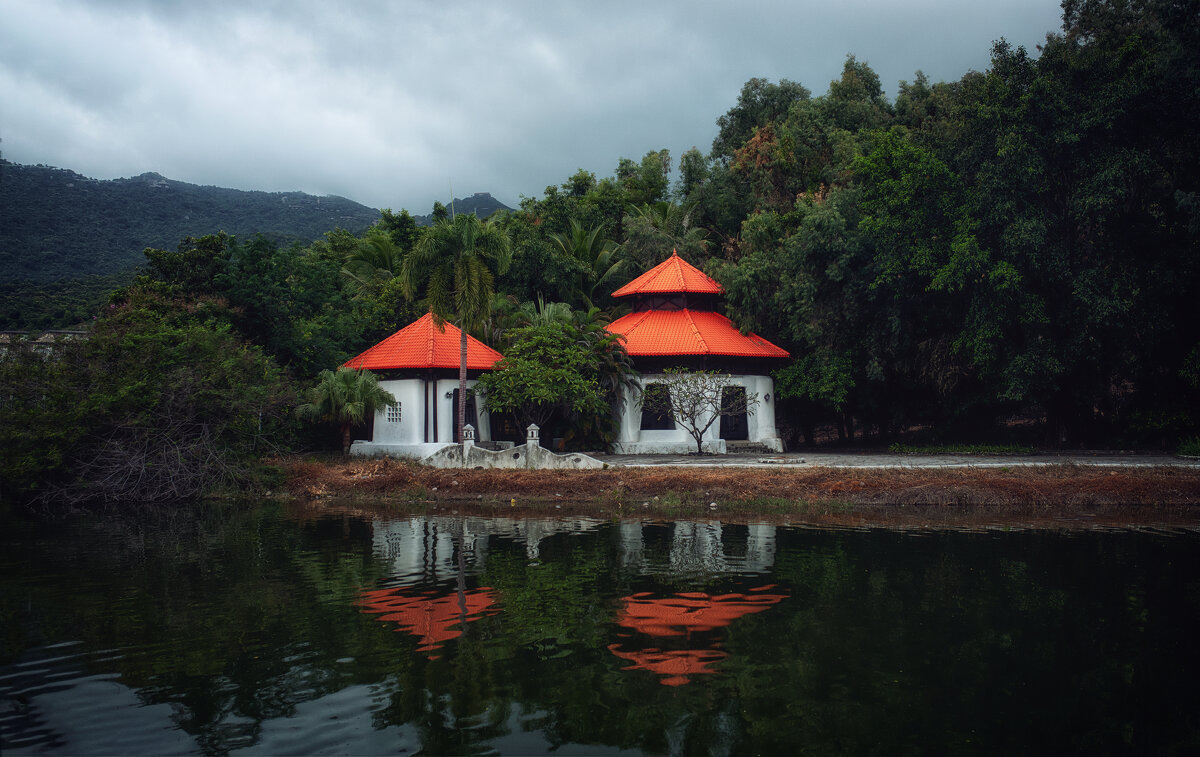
<point>468,441</point>
<point>531,436</point>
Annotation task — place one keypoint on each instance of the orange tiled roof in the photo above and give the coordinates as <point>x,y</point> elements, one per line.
<point>688,332</point>
<point>671,276</point>
<point>421,345</point>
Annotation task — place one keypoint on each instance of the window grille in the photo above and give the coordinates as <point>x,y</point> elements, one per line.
<point>393,414</point>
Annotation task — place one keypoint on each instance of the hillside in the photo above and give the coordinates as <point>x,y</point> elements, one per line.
<point>56,224</point>
<point>481,204</point>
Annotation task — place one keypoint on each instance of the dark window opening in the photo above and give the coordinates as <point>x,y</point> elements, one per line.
<point>656,408</point>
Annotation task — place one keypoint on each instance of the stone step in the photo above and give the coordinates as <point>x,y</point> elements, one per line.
<point>743,446</point>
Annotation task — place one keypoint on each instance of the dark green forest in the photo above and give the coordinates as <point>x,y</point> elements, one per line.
<point>1010,255</point>
<point>66,239</point>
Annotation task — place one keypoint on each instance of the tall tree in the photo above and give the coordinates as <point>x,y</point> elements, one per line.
<point>856,100</point>
<point>759,103</point>
<point>401,227</point>
<point>455,263</point>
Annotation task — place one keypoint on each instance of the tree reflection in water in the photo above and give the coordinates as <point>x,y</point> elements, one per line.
<point>259,631</point>
<point>693,615</point>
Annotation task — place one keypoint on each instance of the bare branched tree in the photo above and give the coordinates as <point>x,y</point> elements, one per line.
<point>696,399</point>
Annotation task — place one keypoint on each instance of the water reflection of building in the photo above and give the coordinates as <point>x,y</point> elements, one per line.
<point>433,617</point>
<point>697,548</point>
<point>687,620</point>
<point>675,636</point>
<point>424,549</point>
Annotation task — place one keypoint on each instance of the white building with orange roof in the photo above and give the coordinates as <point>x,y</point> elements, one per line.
<point>419,366</point>
<point>675,323</point>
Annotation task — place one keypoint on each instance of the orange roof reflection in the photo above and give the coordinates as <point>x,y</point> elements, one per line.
<point>434,619</point>
<point>675,664</point>
<point>681,615</point>
<point>690,611</point>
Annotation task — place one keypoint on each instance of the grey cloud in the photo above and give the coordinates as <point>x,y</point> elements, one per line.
<point>388,103</point>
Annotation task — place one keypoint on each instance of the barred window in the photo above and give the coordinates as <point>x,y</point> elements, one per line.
<point>393,414</point>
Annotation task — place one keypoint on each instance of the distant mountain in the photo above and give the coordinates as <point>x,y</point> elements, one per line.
<point>56,224</point>
<point>481,204</point>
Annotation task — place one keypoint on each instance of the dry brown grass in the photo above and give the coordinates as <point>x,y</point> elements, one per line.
<point>901,497</point>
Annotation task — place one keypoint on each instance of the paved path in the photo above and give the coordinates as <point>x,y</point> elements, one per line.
<point>884,459</point>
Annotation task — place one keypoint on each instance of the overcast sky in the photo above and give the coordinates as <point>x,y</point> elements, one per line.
<point>393,103</point>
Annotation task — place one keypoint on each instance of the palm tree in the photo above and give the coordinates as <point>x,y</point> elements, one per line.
<point>454,264</point>
<point>598,259</point>
<point>654,229</point>
<point>343,399</point>
<point>376,260</point>
<point>541,312</point>
<point>612,365</point>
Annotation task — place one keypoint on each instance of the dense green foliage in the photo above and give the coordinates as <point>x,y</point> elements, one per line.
<point>161,403</point>
<point>26,305</point>
<point>544,372</point>
<point>1023,238</point>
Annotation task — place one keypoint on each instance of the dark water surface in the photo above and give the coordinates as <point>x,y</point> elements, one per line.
<point>272,633</point>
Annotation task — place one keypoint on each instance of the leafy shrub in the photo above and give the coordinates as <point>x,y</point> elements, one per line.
<point>161,403</point>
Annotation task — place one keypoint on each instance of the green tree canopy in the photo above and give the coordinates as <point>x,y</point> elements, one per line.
<point>544,372</point>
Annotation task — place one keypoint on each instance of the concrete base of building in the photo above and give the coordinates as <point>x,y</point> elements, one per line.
<point>713,447</point>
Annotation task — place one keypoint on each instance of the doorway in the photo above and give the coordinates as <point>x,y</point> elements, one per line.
<point>737,426</point>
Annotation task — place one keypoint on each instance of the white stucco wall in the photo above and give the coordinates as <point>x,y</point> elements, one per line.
<point>411,428</point>
<point>760,422</point>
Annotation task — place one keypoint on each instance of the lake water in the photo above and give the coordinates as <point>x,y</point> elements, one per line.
<point>269,632</point>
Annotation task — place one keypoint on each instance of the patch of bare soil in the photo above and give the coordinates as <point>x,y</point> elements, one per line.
<point>1055,496</point>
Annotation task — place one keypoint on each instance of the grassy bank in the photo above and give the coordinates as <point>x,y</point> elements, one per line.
<point>960,497</point>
